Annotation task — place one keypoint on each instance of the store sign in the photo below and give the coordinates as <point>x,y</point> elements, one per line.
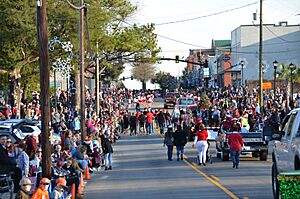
<point>206,72</point>
<point>267,85</point>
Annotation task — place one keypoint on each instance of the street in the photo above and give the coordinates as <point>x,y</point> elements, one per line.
<point>141,170</point>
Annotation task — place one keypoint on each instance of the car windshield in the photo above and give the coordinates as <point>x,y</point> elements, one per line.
<point>186,101</point>
<point>4,129</point>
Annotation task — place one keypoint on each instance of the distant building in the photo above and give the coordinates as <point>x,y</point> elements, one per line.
<point>215,58</point>
<point>280,42</point>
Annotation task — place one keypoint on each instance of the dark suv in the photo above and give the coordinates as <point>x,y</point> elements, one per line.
<point>171,99</point>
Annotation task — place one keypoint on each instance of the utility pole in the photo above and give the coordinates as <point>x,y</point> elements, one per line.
<point>97,81</point>
<point>81,66</point>
<point>44,85</point>
<point>261,100</point>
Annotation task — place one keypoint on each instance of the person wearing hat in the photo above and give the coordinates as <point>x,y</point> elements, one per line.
<point>201,144</point>
<point>169,139</point>
<point>25,185</point>
<point>42,191</point>
<point>59,189</point>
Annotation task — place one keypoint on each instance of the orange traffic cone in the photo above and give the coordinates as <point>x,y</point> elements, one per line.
<point>73,192</point>
<point>81,180</point>
<point>87,174</point>
<point>80,187</point>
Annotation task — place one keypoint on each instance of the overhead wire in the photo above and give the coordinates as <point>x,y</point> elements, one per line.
<point>209,15</point>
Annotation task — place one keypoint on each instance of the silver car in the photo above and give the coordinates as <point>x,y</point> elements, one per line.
<point>286,148</point>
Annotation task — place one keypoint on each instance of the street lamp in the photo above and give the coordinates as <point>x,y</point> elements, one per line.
<point>275,65</point>
<point>292,67</point>
<point>242,64</point>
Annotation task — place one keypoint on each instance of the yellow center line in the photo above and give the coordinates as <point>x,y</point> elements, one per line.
<point>214,177</point>
<point>211,180</point>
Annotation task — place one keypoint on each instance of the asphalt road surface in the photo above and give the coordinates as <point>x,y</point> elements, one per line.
<point>141,170</point>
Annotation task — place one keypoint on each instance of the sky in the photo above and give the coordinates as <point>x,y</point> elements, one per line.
<point>215,19</point>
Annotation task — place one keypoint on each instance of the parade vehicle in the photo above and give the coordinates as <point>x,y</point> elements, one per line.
<point>171,99</point>
<point>185,102</point>
<point>286,151</point>
<point>254,142</point>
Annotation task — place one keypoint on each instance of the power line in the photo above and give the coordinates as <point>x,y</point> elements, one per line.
<point>209,15</point>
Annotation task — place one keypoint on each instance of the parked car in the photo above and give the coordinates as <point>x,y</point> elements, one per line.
<point>286,149</point>
<point>185,102</point>
<point>171,99</point>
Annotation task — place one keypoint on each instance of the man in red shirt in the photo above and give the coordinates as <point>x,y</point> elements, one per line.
<point>149,122</point>
<point>236,142</point>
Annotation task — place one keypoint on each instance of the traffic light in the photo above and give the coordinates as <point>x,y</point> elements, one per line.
<point>131,77</point>
<point>123,78</point>
<point>177,59</point>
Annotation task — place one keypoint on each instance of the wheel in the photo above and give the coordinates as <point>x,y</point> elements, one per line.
<point>225,155</point>
<point>275,184</point>
<point>263,156</point>
<point>255,154</point>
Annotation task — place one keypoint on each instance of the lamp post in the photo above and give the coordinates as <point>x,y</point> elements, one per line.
<point>292,67</point>
<point>275,65</point>
<point>242,65</point>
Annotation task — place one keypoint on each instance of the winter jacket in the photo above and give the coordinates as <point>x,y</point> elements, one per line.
<point>235,141</point>
<point>106,145</point>
<point>169,138</point>
<point>180,138</point>
<point>40,194</point>
<point>22,195</point>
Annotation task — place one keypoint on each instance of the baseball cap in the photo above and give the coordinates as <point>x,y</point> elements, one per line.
<point>25,181</point>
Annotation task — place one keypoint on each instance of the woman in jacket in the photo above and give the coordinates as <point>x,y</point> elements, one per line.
<point>180,140</point>
<point>201,144</point>
<point>169,142</point>
<point>107,150</point>
<point>236,142</point>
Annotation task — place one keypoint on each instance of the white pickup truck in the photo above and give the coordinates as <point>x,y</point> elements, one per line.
<point>286,149</point>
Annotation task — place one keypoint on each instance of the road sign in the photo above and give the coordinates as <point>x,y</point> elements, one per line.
<point>267,85</point>
<point>206,72</point>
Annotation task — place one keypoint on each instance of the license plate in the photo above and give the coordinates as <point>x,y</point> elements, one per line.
<point>246,148</point>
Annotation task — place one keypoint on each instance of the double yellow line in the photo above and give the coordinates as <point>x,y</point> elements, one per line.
<point>212,179</point>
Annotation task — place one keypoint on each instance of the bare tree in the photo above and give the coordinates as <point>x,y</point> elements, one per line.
<point>143,72</point>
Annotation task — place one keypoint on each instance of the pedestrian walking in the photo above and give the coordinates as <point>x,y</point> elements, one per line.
<point>180,140</point>
<point>235,142</point>
<point>201,144</point>
<point>169,139</point>
<point>132,122</point>
<point>107,150</point>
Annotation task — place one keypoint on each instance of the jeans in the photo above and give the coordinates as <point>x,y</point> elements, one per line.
<point>179,150</point>
<point>235,156</point>
<point>170,151</point>
<point>83,163</point>
<point>152,126</point>
<point>108,159</point>
<point>149,127</point>
<point>161,127</point>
